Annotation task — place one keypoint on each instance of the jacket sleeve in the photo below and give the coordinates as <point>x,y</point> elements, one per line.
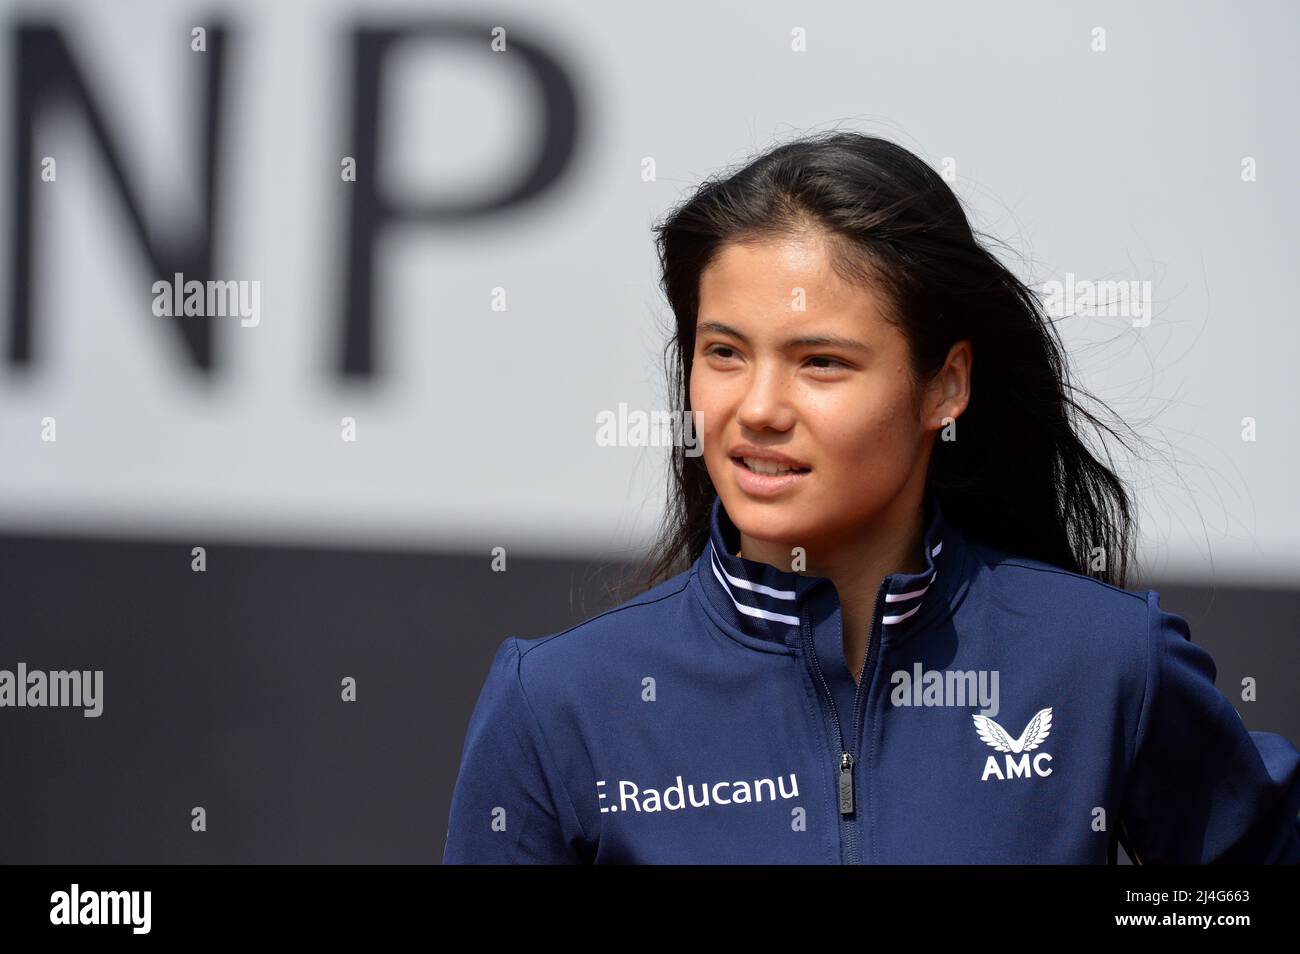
<point>508,806</point>
<point>1201,788</point>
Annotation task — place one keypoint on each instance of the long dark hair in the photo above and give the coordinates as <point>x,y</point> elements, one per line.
<point>1019,477</point>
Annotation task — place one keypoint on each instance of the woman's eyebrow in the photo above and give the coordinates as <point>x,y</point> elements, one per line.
<point>834,341</point>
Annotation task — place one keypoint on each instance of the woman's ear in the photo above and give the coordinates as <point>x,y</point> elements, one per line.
<point>949,390</point>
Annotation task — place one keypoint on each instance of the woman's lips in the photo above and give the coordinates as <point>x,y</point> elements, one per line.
<point>765,485</point>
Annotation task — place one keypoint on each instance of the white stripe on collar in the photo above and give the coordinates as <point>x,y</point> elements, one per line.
<point>728,580</point>
<point>753,610</point>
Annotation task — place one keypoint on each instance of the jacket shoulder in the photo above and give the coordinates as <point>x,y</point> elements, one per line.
<point>1022,579</point>
<point>608,632</point>
<point>1082,622</point>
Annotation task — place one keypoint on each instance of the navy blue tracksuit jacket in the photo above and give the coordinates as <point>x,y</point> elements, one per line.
<point>1008,712</point>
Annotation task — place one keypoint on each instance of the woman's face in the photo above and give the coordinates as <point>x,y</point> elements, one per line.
<point>844,409</point>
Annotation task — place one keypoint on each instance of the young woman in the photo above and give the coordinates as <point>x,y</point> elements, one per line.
<point>887,621</point>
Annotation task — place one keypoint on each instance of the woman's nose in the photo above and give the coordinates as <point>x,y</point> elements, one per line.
<point>766,403</point>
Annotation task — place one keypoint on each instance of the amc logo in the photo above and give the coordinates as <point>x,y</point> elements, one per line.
<point>1018,762</point>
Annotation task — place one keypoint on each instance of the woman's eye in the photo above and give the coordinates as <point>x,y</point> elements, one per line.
<point>716,348</point>
<point>833,361</point>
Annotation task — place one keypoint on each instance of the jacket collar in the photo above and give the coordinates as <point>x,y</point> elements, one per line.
<point>762,604</point>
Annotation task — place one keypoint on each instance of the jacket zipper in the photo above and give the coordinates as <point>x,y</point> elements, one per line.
<point>847,760</point>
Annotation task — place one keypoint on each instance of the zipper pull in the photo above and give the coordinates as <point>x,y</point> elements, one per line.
<point>846,784</point>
